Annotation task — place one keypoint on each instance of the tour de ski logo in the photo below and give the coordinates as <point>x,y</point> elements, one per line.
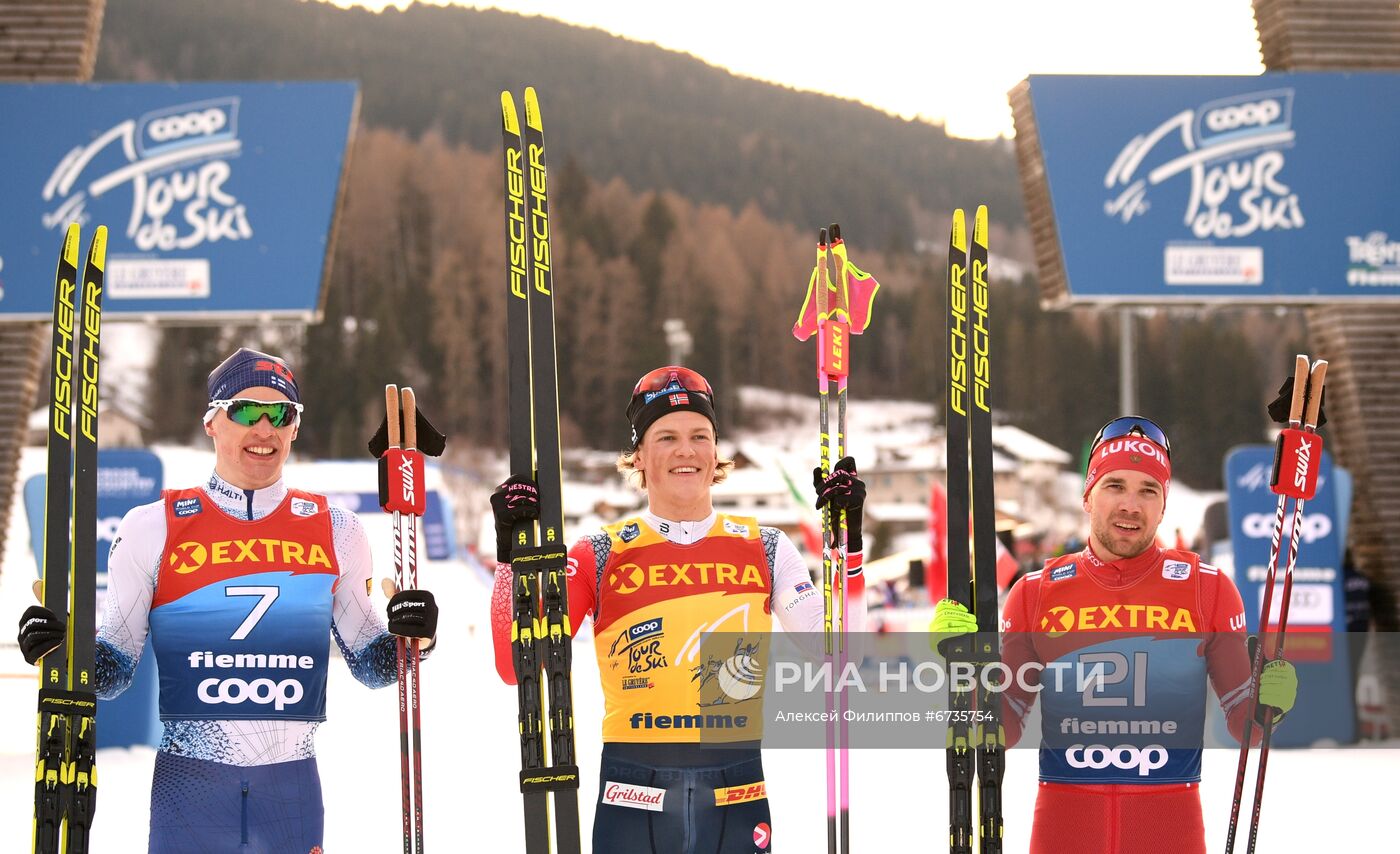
<point>1231,153</point>
<point>176,164</point>
<point>629,532</point>
<point>302,507</point>
<point>640,644</point>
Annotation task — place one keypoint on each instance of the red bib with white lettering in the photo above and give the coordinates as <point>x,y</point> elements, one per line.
<point>241,616</point>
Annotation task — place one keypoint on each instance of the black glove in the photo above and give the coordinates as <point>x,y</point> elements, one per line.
<point>413,614</point>
<point>431,442</point>
<point>1278,410</point>
<point>843,490</point>
<point>40,633</point>
<point>514,501</point>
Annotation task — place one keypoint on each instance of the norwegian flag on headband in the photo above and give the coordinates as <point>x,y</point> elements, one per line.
<point>680,398</point>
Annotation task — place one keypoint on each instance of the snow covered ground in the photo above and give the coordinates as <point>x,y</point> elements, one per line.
<point>1318,800</point>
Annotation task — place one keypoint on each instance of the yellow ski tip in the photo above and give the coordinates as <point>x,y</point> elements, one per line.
<point>959,238</point>
<point>979,226</point>
<point>532,109</point>
<point>70,243</point>
<point>97,252</point>
<point>512,123</point>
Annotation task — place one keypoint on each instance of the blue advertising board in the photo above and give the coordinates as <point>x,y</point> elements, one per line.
<point>125,479</point>
<point>1276,188</point>
<point>438,540</point>
<point>219,198</point>
<point>1317,642</point>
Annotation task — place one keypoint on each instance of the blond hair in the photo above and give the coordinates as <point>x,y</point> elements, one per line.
<point>626,463</point>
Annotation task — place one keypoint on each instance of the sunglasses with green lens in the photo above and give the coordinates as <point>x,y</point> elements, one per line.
<point>279,413</point>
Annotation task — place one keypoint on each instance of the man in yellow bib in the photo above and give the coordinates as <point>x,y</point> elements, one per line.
<point>657,585</point>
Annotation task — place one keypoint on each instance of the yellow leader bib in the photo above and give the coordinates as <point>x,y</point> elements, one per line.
<point>681,634</point>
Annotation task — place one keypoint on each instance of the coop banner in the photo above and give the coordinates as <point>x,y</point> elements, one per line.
<point>1276,188</point>
<point>219,197</point>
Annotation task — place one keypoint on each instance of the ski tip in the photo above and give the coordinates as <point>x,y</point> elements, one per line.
<point>70,243</point>
<point>835,233</point>
<point>97,252</point>
<point>821,238</point>
<point>508,117</point>
<point>959,233</point>
<point>979,226</point>
<point>532,109</point>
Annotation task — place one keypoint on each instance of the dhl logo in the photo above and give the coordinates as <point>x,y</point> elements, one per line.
<point>190,556</point>
<point>1061,619</point>
<point>629,577</point>
<point>730,795</point>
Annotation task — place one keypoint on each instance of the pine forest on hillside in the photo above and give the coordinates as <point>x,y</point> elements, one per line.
<point>677,190</point>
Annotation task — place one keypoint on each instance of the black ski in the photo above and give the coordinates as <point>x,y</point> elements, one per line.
<point>65,788</point>
<point>991,759</point>
<point>958,648</point>
<point>541,636</point>
<point>972,578</point>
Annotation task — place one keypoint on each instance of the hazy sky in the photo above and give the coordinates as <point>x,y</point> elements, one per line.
<point>939,60</point>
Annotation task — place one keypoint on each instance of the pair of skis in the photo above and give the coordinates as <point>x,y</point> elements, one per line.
<point>972,565</point>
<point>405,471</point>
<point>1296,461</point>
<point>65,773</point>
<point>541,637</point>
<point>835,308</point>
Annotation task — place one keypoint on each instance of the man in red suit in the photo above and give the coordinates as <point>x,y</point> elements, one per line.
<point>1118,641</point>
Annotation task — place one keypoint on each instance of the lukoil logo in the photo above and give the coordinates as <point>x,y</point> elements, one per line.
<point>1312,527</point>
<point>1124,756</point>
<point>260,691</point>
